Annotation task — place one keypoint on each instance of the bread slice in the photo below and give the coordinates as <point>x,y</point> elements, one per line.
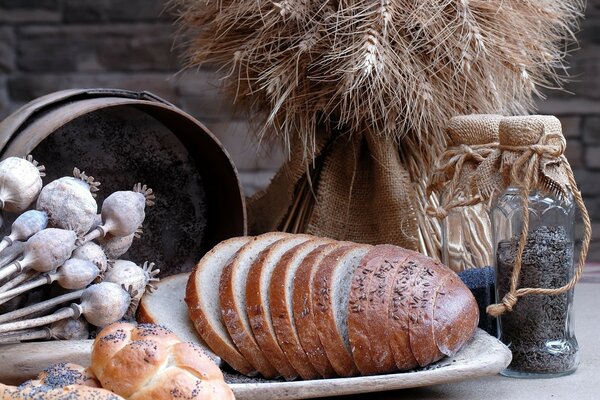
<point>166,306</point>
<point>282,307</point>
<point>233,301</point>
<point>455,315</point>
<point>368,308</point>
<point>398,316</point>
<point>202,299</point>
<point>330,295</point>
<point>303,309</point>
<point>430,278</point>
<point>258,306</point>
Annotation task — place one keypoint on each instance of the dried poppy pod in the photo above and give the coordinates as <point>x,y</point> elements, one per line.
<point>123,212</point>
<point>20,183</point>
<point>94,253</point>
<point>101,304</point>
<point>70,203</point>
<point>66,329</point>
<point>115,246</point>
<point>74,274</point>
<point>44,252</point>
<point>26,225</point>
<point>129,274</point>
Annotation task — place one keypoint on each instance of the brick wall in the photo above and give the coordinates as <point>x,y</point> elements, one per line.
<point>48,45</point>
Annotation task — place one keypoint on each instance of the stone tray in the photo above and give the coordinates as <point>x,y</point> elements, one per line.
<point>484,355</point>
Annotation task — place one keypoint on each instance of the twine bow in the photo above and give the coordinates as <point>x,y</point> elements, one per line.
<point>525,173</point>
<point>453,162</point>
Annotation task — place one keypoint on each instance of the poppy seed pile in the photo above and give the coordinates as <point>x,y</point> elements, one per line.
<point>537,329</point>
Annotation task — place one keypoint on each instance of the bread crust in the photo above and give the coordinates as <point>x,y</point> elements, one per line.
<point>303,310</point>
<point>59,381</point>
<point>125,357</point>
<point>260,319</point>
<point>455,316</point>
<point>233,314</point>
<point>283,320</point>
<point>431,276</point>
<point>359,326</point>
<point>323,308</point>
<point>172,290</point>
<point>194,377</point>
<point>224,347</point>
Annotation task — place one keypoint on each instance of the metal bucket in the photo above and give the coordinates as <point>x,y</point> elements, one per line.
<point>121,138</point>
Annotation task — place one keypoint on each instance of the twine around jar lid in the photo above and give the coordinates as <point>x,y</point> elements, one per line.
<point>472,139</point>
<point>534,139</point>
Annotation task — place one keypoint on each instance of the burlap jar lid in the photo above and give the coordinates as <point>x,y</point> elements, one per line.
<point>473,129</point>
<point>529,129</point>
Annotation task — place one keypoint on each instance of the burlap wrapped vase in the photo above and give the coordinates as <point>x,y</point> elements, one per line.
<point>359,191</point>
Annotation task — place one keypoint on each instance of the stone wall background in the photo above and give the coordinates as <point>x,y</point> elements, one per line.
<point>49,45</point>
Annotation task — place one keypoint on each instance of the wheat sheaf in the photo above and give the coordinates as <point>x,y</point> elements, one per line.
<point>395,68</point>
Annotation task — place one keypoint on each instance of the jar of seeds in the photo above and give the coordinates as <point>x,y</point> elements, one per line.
<point>533,239</point>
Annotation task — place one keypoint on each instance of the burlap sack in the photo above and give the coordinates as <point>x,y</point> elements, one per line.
<point>362,193</point>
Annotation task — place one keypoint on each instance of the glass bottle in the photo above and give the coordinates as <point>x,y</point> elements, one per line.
<point>466,230</point>
<point>539,328</point>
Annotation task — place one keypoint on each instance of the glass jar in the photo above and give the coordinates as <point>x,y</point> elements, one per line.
<point>466,237</point>
<point>539,328</point>
<point>466,229</point>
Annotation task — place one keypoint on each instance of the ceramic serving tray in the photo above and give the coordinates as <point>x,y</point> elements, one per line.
<point>484,355</point>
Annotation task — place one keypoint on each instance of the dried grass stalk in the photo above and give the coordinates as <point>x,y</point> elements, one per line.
<point>395,68</point>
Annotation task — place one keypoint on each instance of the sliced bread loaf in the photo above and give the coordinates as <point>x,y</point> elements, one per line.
<point>258,305</point>
<point>282,310</point>
<point>166,306</point>
<point>330,295</point>
<point>303,309</point>
<point>367,316</point>
<point>233,301</point>
<point>202,298</point>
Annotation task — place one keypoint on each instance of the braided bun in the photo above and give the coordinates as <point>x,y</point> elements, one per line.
<point>59,382</point>
<point>149,362</point>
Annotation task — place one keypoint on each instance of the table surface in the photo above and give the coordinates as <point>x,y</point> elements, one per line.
<point>582,384</point>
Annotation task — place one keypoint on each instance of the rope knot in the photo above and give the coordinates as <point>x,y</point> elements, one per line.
<point>467,150</point>
<point>547,150</point>
<point>438,212</point>
<point>507,304</point>
<point>508,301</point>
